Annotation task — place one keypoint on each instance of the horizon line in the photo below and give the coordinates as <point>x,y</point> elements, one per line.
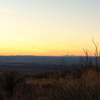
<point>49,55</point>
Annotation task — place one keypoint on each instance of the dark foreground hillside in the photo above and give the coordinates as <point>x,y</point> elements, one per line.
<point>76,85</point>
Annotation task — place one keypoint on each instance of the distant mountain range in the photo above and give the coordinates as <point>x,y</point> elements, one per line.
<point>42,59</point>
<point>41,63</point>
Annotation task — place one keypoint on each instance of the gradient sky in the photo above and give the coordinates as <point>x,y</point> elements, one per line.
<point>48,27</point>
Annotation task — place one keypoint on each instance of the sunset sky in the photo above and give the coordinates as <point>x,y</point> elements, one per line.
<point>48,27</point>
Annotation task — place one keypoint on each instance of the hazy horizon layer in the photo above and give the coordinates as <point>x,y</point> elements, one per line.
<point>43,63</point>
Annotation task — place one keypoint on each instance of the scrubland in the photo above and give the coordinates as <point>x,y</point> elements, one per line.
<point>83,84</point>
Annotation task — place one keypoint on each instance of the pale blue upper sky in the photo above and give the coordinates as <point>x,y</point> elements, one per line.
<point>85,11</point>
<point>41,22</point>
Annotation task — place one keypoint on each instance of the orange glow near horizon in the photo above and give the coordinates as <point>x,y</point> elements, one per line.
<point>45,52</point>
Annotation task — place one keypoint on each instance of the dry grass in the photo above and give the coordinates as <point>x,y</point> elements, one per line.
<point>57,86</point>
